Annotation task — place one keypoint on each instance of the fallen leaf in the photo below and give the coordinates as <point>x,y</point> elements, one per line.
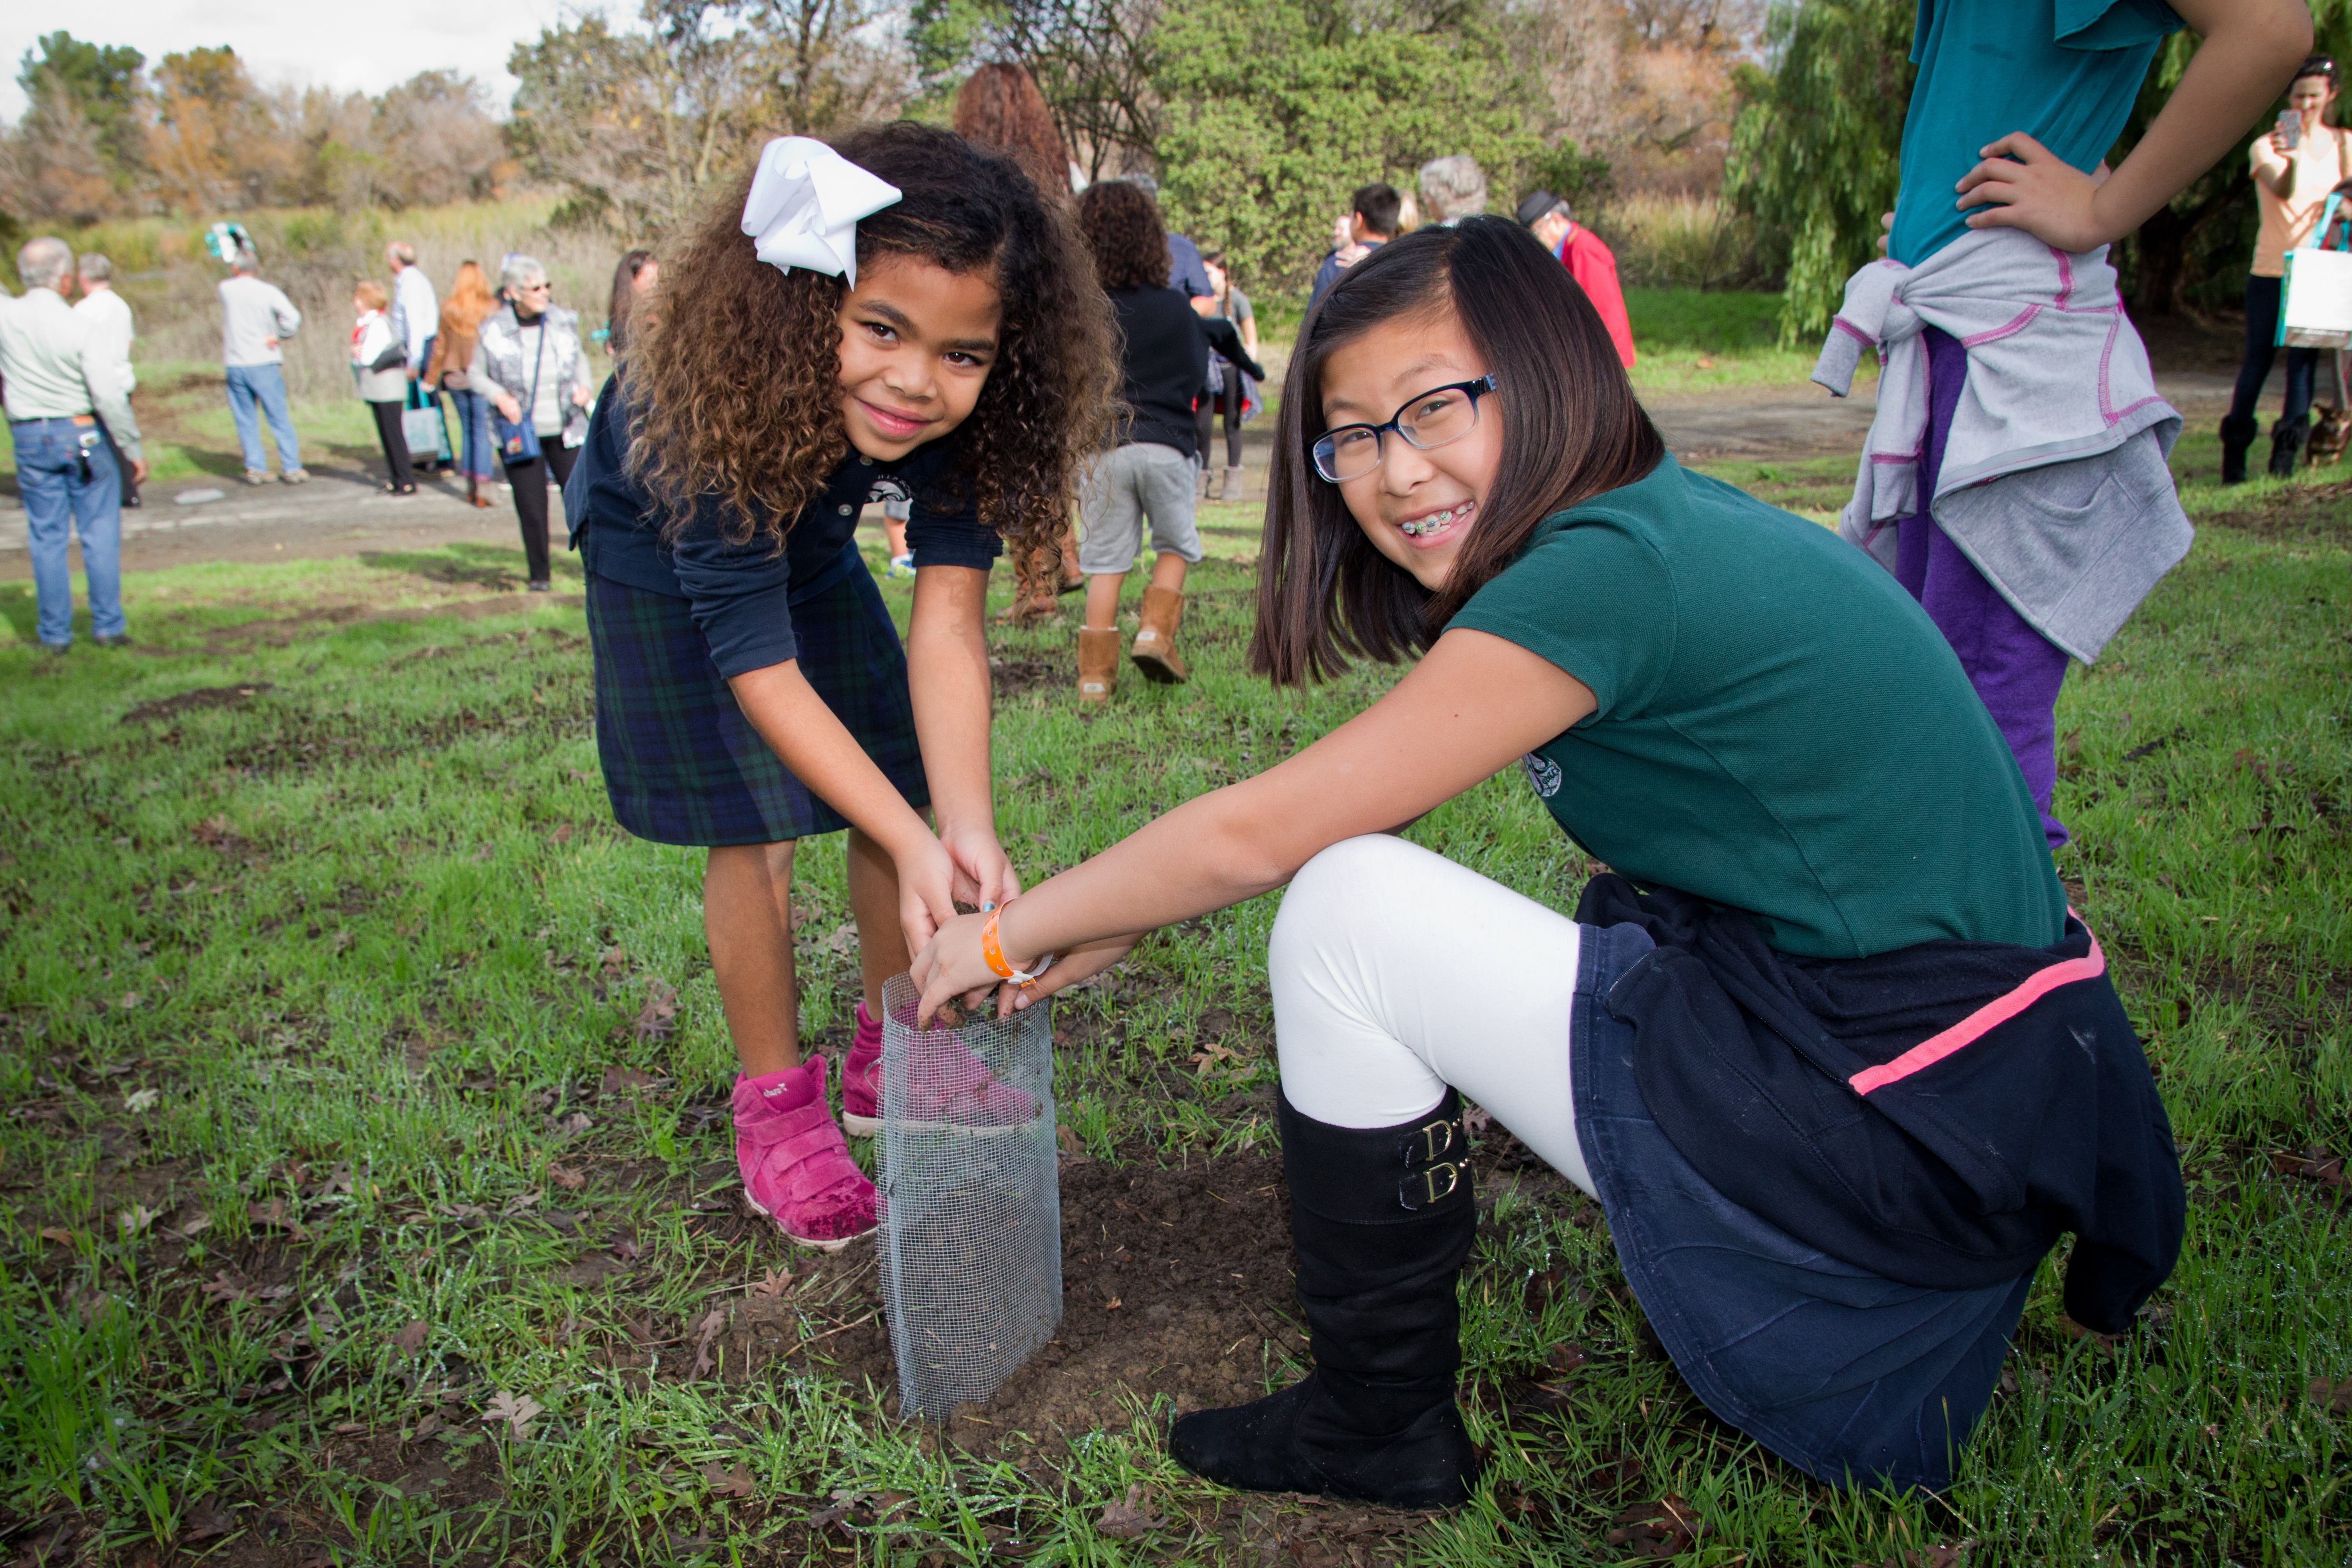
<point>196,1227</point>
<point>826,1519</point>
<point>621,1080</point>
<point>1659,1530</point>
<point>346,1428</point>
<point>521,1202</point>
<point>2333,1398</point>
<point>1567,1358</point>
<point>1072,1144</point>
<point>426,1427</point>
<point>226,1287</point>
<point>59,1234</point>
<point>775,1284</point>
<point>657,1019</point>
<point>134,1220</point>
<point>575,1124</point>
<point>1126,1520</point>
<point>1113,1305</point>
<point>562,835</point>
<point>570,1181</point>
<point>1475,1121</point>
<point>207,1520</point>
<point>624,1247</point>
<point>142,1100</point>
<point>516,1413</point>
<point>616,963</point>
<point>275,1215</point>
<point>706,1331</point>
<point>736,1482</point>
<point>410,1340</point>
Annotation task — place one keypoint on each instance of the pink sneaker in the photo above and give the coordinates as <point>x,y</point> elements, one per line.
<point>796,1167</point>
<point>861,1078</point>
<point>953,1088</point>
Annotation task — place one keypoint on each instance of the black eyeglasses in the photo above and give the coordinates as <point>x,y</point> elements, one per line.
<point>1440,415</point>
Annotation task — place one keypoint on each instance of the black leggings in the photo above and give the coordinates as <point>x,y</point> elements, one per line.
<point>530,479</point>
<point>2262,300</point>
<point>1205,417</point>
<point>395,443</point>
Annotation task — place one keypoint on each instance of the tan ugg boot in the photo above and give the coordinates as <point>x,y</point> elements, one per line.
<point>1234,486</point>
<point>1097,664</point>
<point>1155,645</point>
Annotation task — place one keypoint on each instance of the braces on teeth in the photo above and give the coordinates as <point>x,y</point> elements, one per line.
<point>1427,525</point>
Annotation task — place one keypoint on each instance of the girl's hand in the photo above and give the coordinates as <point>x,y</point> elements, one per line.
<point>1079,963</point>
<point>927,879</point>
<point>984,876</point>
<point>950,965</point>
<point>508,407</point>
<point>2023,185</point>
<point>580,395</point>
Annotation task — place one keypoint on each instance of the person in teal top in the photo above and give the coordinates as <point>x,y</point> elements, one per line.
<point>2064,72</point>
<point>1815,835</point>
<point>1766,702</point>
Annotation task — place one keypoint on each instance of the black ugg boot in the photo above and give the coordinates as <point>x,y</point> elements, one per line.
<point>1381,1220</point>
<point>2286,440</point>
<point>2237,435</point>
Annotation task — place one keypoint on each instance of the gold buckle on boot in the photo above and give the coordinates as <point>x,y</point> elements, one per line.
<point>1420,1190</point>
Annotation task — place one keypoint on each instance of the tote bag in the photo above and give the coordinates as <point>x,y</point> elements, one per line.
<point>422,425</point>
<point>2315,295</point>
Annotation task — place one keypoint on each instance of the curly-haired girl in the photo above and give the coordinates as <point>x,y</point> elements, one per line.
<point>904,317</point>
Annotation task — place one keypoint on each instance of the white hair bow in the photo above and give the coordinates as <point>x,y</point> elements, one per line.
<point>804,204</point>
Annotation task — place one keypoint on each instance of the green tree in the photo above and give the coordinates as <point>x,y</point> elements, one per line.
<point>1815,150</point>
<point>103,82</point>
<point>1275,110</point>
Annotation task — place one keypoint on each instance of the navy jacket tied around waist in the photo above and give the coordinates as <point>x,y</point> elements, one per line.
<point>1937,1114</point>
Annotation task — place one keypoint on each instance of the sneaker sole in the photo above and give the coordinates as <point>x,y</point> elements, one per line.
<point>860,1126</point>
<point>835,1245</point>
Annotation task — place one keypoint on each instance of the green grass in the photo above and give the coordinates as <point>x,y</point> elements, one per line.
<point>1689,340</point>
<point>362,942</point>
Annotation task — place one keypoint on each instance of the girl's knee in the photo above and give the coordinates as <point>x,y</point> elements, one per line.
<point>1353,880</point>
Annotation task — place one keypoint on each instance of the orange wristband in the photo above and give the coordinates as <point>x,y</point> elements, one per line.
<point>990,949</point>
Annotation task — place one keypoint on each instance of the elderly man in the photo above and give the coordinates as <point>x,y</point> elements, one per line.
<point>1589,261</point>
<point>61,384</point>
<point>255,318</point>
<point>109,316</point>
<point>1453,189</point>
<point>415,317</point>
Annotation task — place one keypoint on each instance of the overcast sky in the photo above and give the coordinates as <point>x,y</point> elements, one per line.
<point>367,46</point>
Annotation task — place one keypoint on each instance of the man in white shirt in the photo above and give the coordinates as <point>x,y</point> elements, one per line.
<point>256,317</point>
<point>109,315</point>
<point>61,384</point>
<point>415,317</point>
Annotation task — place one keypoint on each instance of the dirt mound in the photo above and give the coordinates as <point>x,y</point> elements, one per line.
<point>1174,1281</point>
<point>189,701</point>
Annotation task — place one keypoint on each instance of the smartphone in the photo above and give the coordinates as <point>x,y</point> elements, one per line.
<point>2290,128</point>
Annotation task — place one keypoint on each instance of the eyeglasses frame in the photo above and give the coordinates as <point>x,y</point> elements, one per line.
<point>1477,388</point>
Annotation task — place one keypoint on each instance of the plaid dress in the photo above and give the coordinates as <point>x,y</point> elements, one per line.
<point>682,765</point>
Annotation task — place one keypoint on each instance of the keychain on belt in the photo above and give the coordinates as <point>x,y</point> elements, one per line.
<point>88,443</point>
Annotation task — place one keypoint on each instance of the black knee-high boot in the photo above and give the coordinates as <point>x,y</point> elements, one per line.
<point>1381,1220</point>
<point>2236,435</point>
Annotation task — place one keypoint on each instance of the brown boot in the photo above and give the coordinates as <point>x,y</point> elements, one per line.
<point>1155,645</point>
<point>1097,664</point>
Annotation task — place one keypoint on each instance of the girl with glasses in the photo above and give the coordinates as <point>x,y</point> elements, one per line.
<point>1826,1044</point>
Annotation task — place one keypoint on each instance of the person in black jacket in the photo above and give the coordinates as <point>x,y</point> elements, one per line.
<point>1149,473</point>
<point>1828,1047</point>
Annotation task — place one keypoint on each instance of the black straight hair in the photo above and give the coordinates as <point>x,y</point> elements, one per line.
<point>1571,430</point>
<point>1379,206</point>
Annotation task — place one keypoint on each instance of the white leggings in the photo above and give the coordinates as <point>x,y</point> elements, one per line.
<point>1397,972</point>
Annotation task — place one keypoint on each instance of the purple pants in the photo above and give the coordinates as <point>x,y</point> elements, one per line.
<point>2016,670</point>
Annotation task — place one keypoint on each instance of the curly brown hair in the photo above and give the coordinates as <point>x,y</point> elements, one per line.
<point>735,381</point>
<point>1123,229</point>
<point>999,108</point>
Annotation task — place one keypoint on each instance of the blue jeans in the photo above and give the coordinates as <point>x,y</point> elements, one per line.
<point>2264,298</point>
<point>474,419</point>
<point>265,384</point>
<point>68,487</point>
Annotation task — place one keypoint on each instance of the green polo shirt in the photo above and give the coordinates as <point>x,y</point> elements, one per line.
<point>1780,727</point>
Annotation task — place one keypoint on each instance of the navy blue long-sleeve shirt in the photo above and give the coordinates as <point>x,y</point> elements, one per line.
<point>743,594</point>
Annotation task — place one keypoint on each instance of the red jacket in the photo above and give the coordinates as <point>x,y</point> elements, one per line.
<point>1594,267</point>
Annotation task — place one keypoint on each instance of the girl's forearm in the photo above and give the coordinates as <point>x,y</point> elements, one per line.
<point>946,673</point>
<point>2251,49</point>
<point>822,754</point>
<point>1197,858</point>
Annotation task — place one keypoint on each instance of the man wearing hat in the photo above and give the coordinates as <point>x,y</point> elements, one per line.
<point>1592,263</point>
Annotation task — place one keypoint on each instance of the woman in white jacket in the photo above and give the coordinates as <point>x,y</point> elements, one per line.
<point>378,369</point>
